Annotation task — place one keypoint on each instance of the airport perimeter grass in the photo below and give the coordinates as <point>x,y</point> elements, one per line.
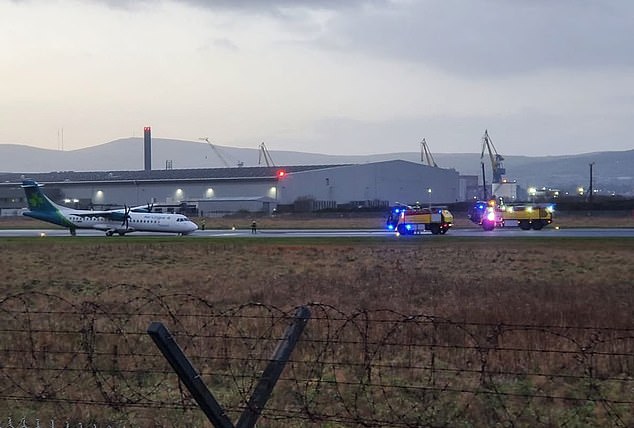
<point>564,282</point>
<point>561,281</point>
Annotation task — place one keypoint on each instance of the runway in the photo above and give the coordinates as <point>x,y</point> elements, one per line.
<point>506,232</point>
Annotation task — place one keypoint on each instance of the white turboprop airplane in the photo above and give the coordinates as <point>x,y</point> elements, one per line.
<point>119,221</point>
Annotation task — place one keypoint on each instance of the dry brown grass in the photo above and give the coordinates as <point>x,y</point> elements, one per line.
<point>551,281</point>
<point>563,282</point>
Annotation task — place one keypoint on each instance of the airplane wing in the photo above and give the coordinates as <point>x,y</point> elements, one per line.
<point>148,208</point>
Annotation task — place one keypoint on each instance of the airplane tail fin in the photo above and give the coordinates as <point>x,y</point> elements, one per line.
<point>38,201</point>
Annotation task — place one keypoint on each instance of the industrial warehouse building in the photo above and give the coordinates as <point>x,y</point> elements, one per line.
<point>220,191</point>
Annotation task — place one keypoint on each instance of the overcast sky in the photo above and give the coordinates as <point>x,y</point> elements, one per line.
<point>327,76</point>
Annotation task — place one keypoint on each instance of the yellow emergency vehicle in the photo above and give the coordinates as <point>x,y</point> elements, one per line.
<point>533,216</point>
<point>490,215</point>
<point>414,220</point>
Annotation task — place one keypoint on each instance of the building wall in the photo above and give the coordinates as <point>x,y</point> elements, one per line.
<point>162,192</point>
<point>219,208</point>
<point>507,191</point>
<point>469,188</point>
<point>12,199</point>
<point>393,181</point>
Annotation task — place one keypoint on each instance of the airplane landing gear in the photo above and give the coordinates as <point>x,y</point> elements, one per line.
<point>109,233</point>
<point>73,231</point>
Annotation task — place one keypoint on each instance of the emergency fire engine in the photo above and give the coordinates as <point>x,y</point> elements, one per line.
<point>490,215</point>
<point>414,220</point>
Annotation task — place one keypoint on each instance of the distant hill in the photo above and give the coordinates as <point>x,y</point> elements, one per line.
<point>613,171</point>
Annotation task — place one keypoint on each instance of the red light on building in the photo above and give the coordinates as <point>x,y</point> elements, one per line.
<point>281,173</point>
<point>147,129</point>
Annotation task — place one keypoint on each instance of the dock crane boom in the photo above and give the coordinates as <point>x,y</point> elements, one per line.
<point>264,153</point>
<point>217,152</point>
<point>425,154</point>
<point>496,159</point>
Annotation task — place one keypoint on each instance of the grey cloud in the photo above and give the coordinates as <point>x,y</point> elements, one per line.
<point>225,44</point>
<point>272,4</point>
<point>547,134</point>
<point>273,7</point>
<point>492,36</point>
<point>473,37</point>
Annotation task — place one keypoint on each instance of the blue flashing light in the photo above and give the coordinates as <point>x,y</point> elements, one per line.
<point>390,227</point>
<point>408,226</point>
<point>481,206</point>
<point>396,210</point>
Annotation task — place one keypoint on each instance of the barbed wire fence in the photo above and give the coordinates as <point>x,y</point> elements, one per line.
<point>90,362</point>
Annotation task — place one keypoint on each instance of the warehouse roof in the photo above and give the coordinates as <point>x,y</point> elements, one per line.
<point>167,174</point>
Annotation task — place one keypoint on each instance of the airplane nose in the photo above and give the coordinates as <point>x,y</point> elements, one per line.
<point>188,227</point>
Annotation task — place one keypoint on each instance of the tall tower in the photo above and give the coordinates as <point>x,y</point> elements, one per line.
<point>147,148</point>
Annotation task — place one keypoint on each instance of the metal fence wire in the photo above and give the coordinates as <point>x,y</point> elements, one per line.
<point>93,363</point>
<point>52,423</point>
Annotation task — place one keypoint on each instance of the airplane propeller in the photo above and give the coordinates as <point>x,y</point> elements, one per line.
<point>126,216</point>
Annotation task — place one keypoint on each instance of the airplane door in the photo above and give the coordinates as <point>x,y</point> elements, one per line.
<point>165,222</point>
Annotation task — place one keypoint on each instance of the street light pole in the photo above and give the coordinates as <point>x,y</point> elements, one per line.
<point>429,193</point>
<point>590,191</point>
